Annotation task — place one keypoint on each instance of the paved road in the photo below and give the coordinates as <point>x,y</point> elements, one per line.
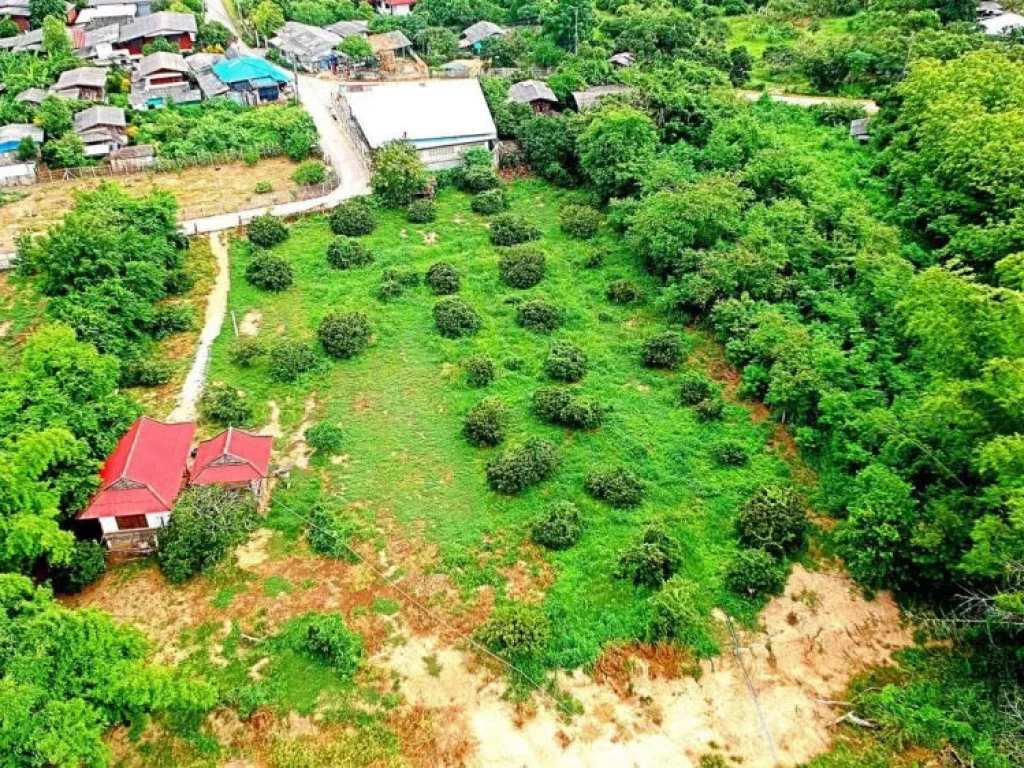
<point>868,105</point>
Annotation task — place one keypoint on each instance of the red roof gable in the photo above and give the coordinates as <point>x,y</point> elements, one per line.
<point>233,456</point>
<point>145,472</point>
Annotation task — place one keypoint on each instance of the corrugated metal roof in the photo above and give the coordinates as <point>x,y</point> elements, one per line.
<point>389,41</point>
<point>529,91</point>
<point>145,472</point>
<point>345,29</point>
<point>420,112</point>
<point>83,77</point>
<point>588,98</point>
<point>18,131</point>
<point>157,62</point>
<point>302,41</point>
<point>233,456</point>
<point>479,32</point>
<point>99,115</point>
<point>31,95</point>
<point>248,68</point>
<point>156,24</point>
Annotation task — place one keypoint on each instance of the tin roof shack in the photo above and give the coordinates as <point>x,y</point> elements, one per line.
<point>252,80</point>
<point>132,159</point>
<point>30,42</point>
<point>83,84</point>
<point>201,65</point>
<point>235,459</point>
<point>535,93</point>
<point>344,29</point>
<point>306,47</point>
<point>388,47</point>
<point>589,98</point>
<point>33,96</point>
<point>17,11</point>
<point>11,137</point>
<point>139,484</point>
<point>176,28</point>
<point>474,35</point>
<point>442,119</point>
<point>101,129</point>
<point>106,15</point>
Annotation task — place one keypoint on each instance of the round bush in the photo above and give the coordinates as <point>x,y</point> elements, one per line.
<point>325,438</point>
<point>262,187</point>
<point>348,253</point>
<point>345,334</point>
<point>87,563</point>
<point>521,266</point>
<point>327,637</point>
<point>443,278</point>
<point>652,559</point>
<point>539,315</point>
<point>580,221</point>
<point>353,218</point>
<point>145,372</point>
<point>422,211</point>
<point>595,259</point>
<point>566,362</point>
<point>246,351</point>
<point>662,351</point>
<point>269,272</point>
<point>394,281</point>
<point>617,487</point>
<point>485,423</point>
<point>490,202</point>
<point>710,408</point>
<point>548,402</point>
<point>512,229</point>
<point>557,405</point>
<point>516,630</point>
<point>309,172</point>
<point>477,178</point>
<point>773,519</point>
<point>523,466</point>
<point>266,231</point>
<point>678,615</point>
<point>389,290</point>
<point>171,318</point>
<point>455,318</point>
<point>558,527</point>
<point>479,371</point>
<point>225,406</point>
<point>289,358</point>
<point>622,292</point>
<point>755,572</point>
<point>730,453</point>
<point>694,387</point>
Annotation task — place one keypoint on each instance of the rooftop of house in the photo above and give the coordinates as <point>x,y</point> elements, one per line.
<point>479,32</point>
<point>389,41</point>
<point>592,95</point>
<point>160,62</point>
<point>138,152</point>
<point>14,7</point>
<point>32,95</point>
<point>83,77</point>
<point>529,91</point>
<point>303,40</point>
<point>233,456</point>
<point>13,132</point>
<point>345,29</point>
<point>112,11</point>
<point>99,115</point>
<point>30,41</point>
<point>437,112</point>
<point>156,24</point>
<point>145,472</point>
<point>249,69</point>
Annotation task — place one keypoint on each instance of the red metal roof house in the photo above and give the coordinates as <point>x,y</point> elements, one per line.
<point>234,458</point>
<point>140,482</point>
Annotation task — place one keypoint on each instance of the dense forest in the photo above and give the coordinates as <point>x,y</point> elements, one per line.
<point>871,299</point>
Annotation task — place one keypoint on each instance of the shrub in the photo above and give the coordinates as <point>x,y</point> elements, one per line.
<point>269,272</point>
<point>512,229</point>
<point>516,629</point>
<point>662,351</point>
<point>595,259</point>
<point>694,387</point>
<point>580,221</point>
<point>485,423</point>
<point>617,487</point>
<point>325,438</point>
<point>539,315</point>
<point>710,408</point>
<point>146,372</point>
<point>477,178</point>
<point>87,563</point>
<point>225,406</point>
<point>266,231</point>
<point>327,637</point>
<point>558,527</point>
<point>622,292</point>
<point>345,334</point>
<point>730,453</point>
<point>489,202</point>
<point>773,519</point>
<point>479,371</point>
<point>309,172</point>
<point>524,466</point>
<point>421,211</point>
<point>329,532</point>
<point>651,559</point>
<point>398,174</point>
<point>557,405</point>
<point>262,187</point>
<point>754,572</point>
<point>289,358</point>
<point>443,278</point>
<point>171,318</point>
<point>566,362</point>
<point>677,615</point>
<point>521,266</point>
<point>353,218</point>
<point>394,281</point>
<point>455,318</point>
<point>208,521</point>
<point>348,253</point>
<point>245,351</point>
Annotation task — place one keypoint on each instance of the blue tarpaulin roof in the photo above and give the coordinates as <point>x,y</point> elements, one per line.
<point>248,68</point>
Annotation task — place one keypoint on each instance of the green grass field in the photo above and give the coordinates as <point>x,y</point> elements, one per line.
<point>401,405</point>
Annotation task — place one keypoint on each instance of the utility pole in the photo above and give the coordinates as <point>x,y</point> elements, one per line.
<point>576,29</point>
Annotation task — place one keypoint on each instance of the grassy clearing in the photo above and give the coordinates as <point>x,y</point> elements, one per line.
<point>401,405</point>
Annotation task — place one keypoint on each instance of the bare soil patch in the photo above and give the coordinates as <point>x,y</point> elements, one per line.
<point>250,325</point>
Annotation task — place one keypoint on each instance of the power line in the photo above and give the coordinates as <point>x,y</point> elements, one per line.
<point>750,688</point>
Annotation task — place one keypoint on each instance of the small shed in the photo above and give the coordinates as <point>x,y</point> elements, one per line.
<point>622,60</point>
<point>474,35</point>
<point>306,46</point>
<point>344,29</point>
<point>859,129</point>
<point>32,96</point>
<point>589,98</point>
<point>535,93</point>
<point>83,83</point>
<point>132,159</point>
<point>235,459</point>
<point>101,129</point>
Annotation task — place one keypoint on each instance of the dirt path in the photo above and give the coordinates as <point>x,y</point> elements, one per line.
<point>869,106</point>
<point>216,308</point>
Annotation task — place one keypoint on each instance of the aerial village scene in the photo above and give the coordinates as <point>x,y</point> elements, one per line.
<point>511,383</point>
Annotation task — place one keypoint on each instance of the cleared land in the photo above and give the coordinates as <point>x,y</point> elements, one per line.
<point>200,191</point>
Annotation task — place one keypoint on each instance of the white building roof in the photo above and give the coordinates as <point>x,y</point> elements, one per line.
<point>112,11</point>
<point>435,113</point>
<point>1003,23</point>
<point>18,131</point>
